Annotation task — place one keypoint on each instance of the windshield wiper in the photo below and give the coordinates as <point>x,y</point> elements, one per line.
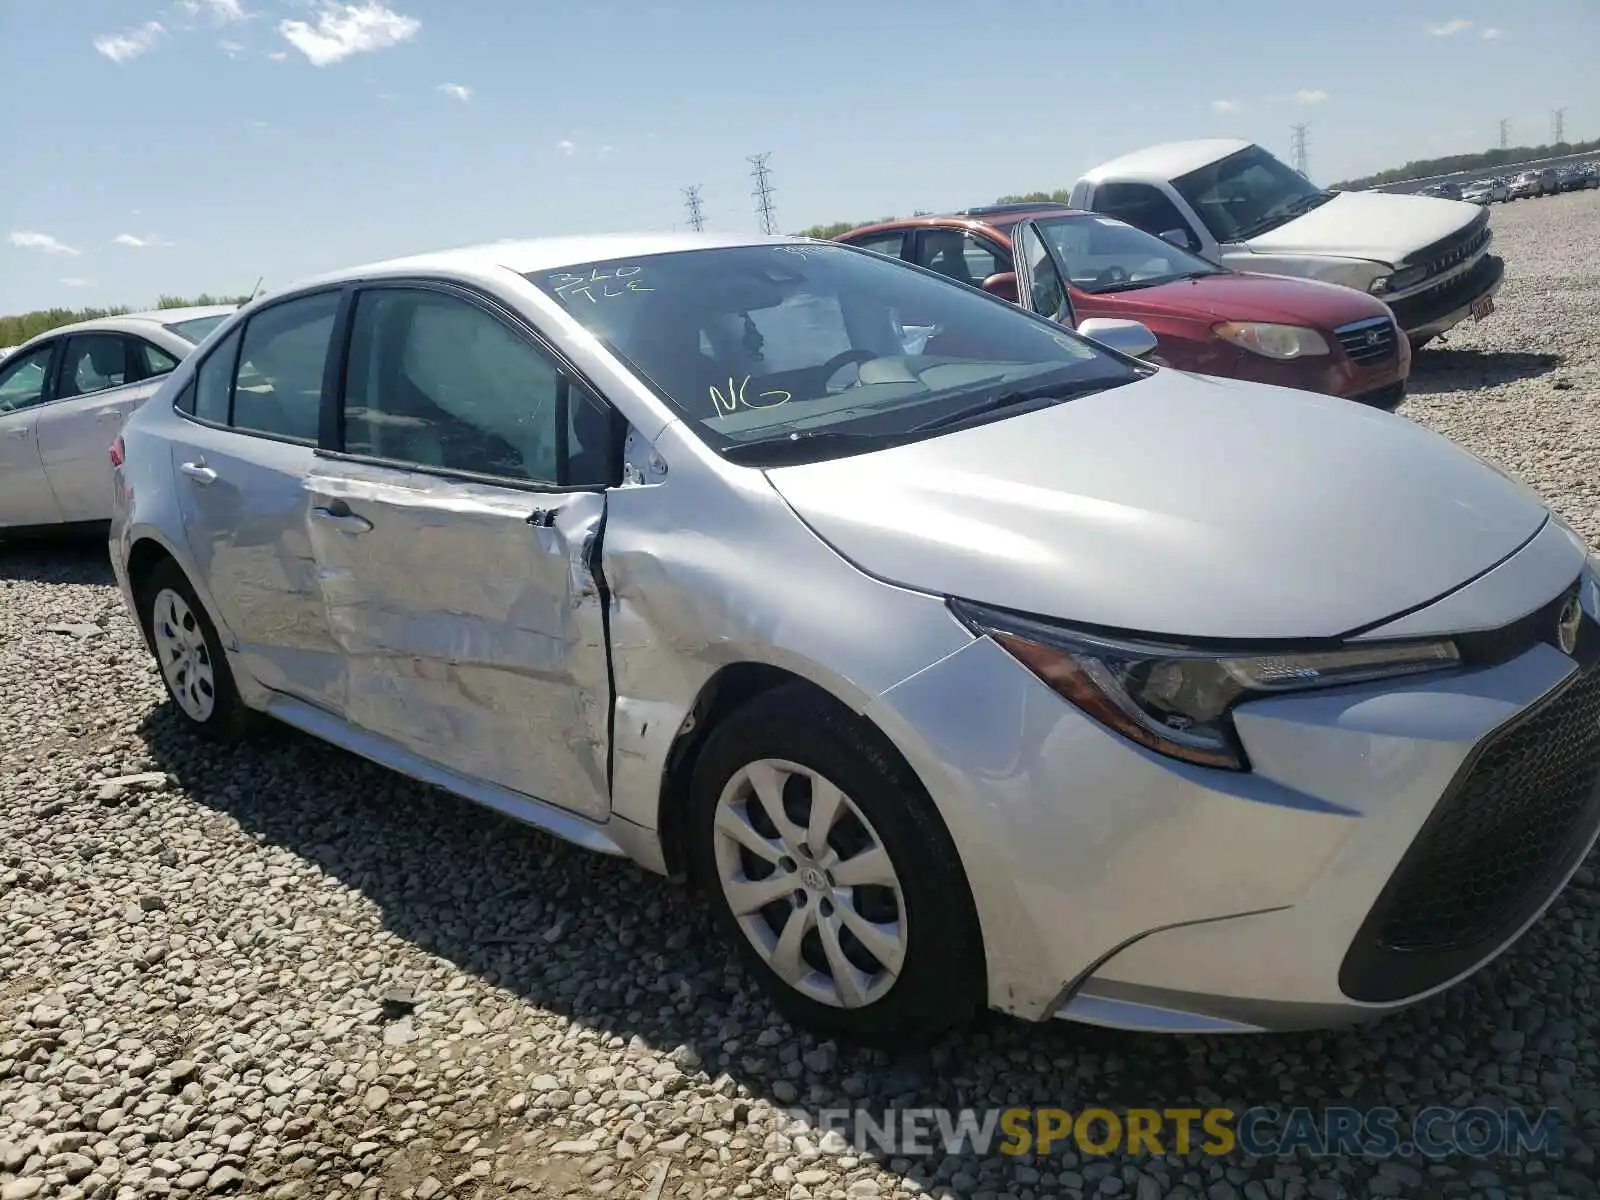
<point>1282,216</point>
<point>802,446</point>
<point>1048,391</point>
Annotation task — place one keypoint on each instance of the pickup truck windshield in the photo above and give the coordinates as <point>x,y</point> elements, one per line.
<point>822,343</point>
<point>1102,254</point>
<point>1248,193</point>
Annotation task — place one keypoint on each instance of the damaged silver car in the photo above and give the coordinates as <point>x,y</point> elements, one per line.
<point>963,661</point>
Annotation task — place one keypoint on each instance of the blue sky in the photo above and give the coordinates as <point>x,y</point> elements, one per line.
<point>155,146</point>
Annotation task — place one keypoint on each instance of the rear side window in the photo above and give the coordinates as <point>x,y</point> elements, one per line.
<point>890,245</point>
<point>214,381</point>
<point>278,388</point>
<point>151,361</point>
<point>94,362</point>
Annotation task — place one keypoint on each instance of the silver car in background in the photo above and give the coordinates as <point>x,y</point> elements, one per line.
<point>63,396</point>
<point>995,669</point>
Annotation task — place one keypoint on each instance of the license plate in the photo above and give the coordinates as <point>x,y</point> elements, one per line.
<point>1482,307</point>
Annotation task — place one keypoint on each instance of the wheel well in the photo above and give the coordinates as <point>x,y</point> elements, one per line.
<point>143,558</point>
<point>730,688</point>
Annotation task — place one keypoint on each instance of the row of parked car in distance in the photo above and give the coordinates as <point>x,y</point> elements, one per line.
<point>1545,181</point>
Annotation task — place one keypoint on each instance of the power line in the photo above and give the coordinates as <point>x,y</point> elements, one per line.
<point>1558,121</point>
<point>1505,133</point>
<point>1298,148</point>
<point>763,192</point>
<point>691,199</point>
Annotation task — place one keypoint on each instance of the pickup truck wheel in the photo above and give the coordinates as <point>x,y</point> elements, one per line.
<point>828,867</point>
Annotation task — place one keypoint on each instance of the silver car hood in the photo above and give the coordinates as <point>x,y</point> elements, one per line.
<point>1182,505</point>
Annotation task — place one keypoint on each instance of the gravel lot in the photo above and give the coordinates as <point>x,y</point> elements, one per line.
<point>282,971</point>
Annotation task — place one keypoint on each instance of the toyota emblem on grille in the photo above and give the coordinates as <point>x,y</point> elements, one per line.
<point>1567,625</point>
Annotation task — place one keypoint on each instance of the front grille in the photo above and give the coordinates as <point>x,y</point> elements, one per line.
<point>1368,342</point>
<point>1512,825</point>
<point>1491,647</point>
<point>1449,295</point>
<point>1450,252</point>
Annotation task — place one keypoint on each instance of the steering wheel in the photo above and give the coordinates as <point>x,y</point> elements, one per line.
<point>1111,275</point>
<point>843,359</point>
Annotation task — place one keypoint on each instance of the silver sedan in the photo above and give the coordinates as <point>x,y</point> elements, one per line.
<point>63,396</point>
<point>976,665</point>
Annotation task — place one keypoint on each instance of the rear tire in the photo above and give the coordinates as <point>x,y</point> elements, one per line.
<point>827,864</point>
<point>189,655</point>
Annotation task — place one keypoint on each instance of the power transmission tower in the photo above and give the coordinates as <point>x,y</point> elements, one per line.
<point>691,198</point>
<point>1298,148</point>
<point>763,192</point>
<point>1558,121</point>
<point>1505,133</point>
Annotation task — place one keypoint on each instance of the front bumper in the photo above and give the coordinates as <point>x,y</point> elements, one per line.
<point>1118,887</point>
<point>1436,310</point>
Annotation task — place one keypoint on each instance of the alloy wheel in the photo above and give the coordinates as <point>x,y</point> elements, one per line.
<point>810,883</point>
<point>184,656</point>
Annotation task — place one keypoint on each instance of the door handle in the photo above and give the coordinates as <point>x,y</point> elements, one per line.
<point>199,472</point>
<point>108,414</point>
<point>19,434</point>
<point>342,519</point>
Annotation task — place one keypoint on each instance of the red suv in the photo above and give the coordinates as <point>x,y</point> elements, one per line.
<point>1076,266</point>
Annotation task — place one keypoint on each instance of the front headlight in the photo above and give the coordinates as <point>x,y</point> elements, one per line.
<point>1399,281</point>
<point>1179,700</point>
<point>1281,342</point>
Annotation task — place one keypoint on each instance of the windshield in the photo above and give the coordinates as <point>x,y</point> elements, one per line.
<point>197,329</point>
<point>1248,193</point>
<point>796,340</point>
<point>1102,254</point>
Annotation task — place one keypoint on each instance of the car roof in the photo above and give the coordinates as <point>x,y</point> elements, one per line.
<point>1167,160</point>
<point>994,221</point>
<point>550,253</point>
<point>135,322</point>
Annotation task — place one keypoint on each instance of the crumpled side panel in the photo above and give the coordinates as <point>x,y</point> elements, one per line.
<point>472,637</point>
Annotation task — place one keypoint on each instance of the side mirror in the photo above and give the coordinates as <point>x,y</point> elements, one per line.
<point>1132,338</point>
<point>1003,285</point>
<point>1180,238</point>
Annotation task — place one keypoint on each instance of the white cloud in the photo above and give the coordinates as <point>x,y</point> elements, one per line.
<point>566,147</point>
<point>1450,28</point>
<point>456,91</point>
<point>27,239</point>
<point>1491,34</point>
<point>133,240</point>
<point>72,281</point>
<point>278,55</point>
<point>120,47</point>
<point>345,29</point>
<point>223,12</point>
<point>1227,106</point>
<point>1308,96</point>
<point>231,49</point>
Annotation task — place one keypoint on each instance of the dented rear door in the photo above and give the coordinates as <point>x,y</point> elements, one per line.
<point>471,623</point>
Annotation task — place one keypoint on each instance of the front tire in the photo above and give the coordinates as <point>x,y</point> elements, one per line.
<point>829,867</point>
<point>189,655</point>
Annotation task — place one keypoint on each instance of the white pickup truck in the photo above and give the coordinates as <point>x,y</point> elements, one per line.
<point>1234,203</point>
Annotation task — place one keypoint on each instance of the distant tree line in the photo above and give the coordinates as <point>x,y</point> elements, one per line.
<point>1487,160</point>
<point>1422,168</point>
<point>18,329</point>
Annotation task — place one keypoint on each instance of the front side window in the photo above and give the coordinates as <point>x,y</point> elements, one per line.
<point>93,363</point>
<point>891,245</point>
<point>1246,194</point>
<point>752,343</point>
<point>23,378</point>
<point>959,255</point>
<point>278,387</point>
<point>436,381</point>
<point>1101,254</point>
<point>1141,205</point>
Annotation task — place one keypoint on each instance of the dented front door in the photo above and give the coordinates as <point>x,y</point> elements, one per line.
<point>471,625</point>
